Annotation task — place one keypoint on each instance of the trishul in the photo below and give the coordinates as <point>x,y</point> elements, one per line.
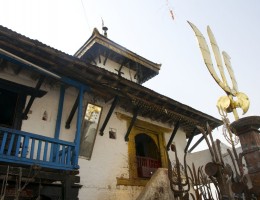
<point>225,103</point>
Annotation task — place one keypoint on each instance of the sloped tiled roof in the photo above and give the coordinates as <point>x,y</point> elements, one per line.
<point>105,84</point>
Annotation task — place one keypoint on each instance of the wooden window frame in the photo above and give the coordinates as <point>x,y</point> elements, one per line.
<point>156,132</point>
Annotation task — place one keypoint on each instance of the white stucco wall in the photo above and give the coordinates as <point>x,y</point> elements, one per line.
<point>48,104</point>
<point>110,156</point>
<point>110,160</point>
<point>114,67</point>
<point>199,158</point>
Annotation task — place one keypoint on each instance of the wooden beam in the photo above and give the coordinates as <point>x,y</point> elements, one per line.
<point>66,188</point>
<point>17,70</point>
<point>78,126</point>
<point>59,114</point>
<point>196,144</point>
<point>119,72</point>
<point>72,112</point>
<point>99,77</point>
<point>21,89</point>
<point>39,83</point>
<point>131,123</point>
<point>190,139</point>
<point>171,113</point>
<point>99,58</point>
<point>113,105</point>
<point>105,61</point>
<point>93,59</point>
<point>176,127</point>
<point>124,62</point>
<point>89,60</point>
<point>38,173</point>
<point>3,64</point>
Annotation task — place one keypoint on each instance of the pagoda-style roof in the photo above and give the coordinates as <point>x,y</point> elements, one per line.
<point>99,44</point>
<point>102,83</point>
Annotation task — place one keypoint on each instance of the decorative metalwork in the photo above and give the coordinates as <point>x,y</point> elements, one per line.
<point>230,137</point>
<point>227,103</point>
<point>178,177</point>
<point>201,183</point>
<point>223,174</point>
<point>229,178</point>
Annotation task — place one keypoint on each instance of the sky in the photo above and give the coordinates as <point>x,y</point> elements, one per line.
<point>147,28</point>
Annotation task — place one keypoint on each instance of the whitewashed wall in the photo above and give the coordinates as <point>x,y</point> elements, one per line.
<point>110,160</point>
<point>49,104</point>
<point>110,156</point>
<point>114,67</point>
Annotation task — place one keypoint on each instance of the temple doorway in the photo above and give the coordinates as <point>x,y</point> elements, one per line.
<point>147,155</point>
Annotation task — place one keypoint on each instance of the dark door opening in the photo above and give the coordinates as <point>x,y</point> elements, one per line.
<point>11,107</point>
<point>147,155</point>
<point>8,101</point>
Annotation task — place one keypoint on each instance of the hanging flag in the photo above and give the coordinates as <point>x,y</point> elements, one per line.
<point>170,9</point>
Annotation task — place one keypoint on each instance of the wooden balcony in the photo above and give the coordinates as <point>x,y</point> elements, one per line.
<point>21,147</point>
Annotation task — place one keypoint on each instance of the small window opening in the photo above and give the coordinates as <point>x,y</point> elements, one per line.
<point>112,133</point>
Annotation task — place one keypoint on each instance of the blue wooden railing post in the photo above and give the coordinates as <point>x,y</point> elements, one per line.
<point>21,147</point>
<point>78,131</point>
<point>25,146</point>
<point>3,143</point>
<point>59,115</point>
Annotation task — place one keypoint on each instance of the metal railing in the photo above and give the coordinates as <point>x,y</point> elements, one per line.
<point>21,147</point>
<point>147,166</point>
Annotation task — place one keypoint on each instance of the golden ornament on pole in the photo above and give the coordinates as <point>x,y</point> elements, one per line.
<point>234,98</point>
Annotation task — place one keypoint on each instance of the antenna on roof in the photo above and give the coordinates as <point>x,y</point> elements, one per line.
<point>104,28</point>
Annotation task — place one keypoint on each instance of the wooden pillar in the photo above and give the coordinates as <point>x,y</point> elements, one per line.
<point>78,126</point>
<point>248,133</point>
<point>66,188</point>
<point>59,115</point>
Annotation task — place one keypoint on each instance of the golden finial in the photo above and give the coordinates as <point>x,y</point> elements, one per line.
<point>227,103</point>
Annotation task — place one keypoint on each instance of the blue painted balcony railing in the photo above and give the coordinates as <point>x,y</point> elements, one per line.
<point>20,147</point>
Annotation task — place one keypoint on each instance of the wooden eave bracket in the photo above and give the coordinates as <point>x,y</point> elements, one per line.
<point>111,110</point>
<point>197,143</point>
<point>92,59</point>
<point>136,110</point>
<point>29,105</point>
<point>176,127</point>
<point>72,112</point>
<point>106,57</point>
<point>190,139</point>
<point>119,71</point>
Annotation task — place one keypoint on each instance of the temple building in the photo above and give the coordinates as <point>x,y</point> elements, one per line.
<point>82,126</point>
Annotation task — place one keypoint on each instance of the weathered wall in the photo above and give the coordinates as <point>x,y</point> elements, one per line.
<point>110,156</point>
<point>110,160</point>
<point>158,187</point>
<point>49,104</point>
<point>200,158</point>
<point>114,68</point>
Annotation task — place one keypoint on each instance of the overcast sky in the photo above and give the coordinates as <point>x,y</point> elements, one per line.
<point>147,28</point>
